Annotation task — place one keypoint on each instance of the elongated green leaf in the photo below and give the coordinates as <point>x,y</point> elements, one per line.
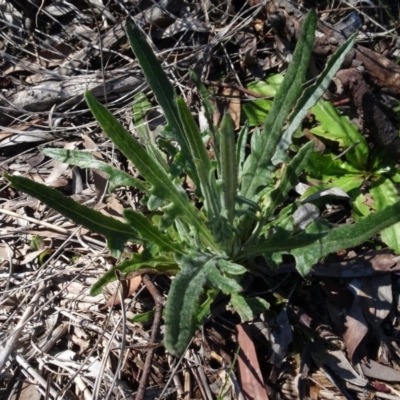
<point>162,88</point>
<point>85,159</point>
<point>229,170</point>
<point>184,299</point>
<point>149,232</point>
<point>310,97</point>
<point>345,237</point>
<point>201,159</point>
<point>163,187</point>
<point>289,180</point>
<point>116,232</point>
<point>283,241</point>
<point>208,107</point>
<point>256,168</point>
<point>161,264</point>
<point>141,106</point>
<point>241,148</point>
<point>340,129</point>
<point>384,193</point>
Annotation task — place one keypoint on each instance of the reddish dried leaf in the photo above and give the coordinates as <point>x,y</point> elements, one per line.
<point>249,370</point>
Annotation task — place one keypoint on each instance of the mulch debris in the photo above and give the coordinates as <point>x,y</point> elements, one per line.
<point>331,335</point>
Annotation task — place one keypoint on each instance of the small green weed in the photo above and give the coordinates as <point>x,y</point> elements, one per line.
<point>212,238</point>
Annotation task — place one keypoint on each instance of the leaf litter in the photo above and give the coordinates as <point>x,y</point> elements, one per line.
<point>334,337</point>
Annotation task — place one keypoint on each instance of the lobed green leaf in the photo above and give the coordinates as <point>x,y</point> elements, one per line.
<point>256,171</point>
<point>117,233</point>
<point>184,299</point>
<point>151,171</point>
<point>160,264</point>
<point>345,237</point>
<point>150,232</point>
<point>340,129</point>
<point>310,97</point>
<point>162,88</point>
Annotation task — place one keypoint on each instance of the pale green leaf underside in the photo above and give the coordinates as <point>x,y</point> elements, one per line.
<point>85,159</point>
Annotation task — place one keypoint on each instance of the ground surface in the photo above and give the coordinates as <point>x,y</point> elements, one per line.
<point>333,335</point>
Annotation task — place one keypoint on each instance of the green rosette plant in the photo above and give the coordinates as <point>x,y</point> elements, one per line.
<point>211,238</point>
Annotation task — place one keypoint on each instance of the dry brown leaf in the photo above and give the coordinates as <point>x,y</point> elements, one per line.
<point>378,298</point>
<point>128,286</point>
<point>249,369</point>
<point>228,101</point>
<point>355,324</point>
<point>374,370</point>
<point>29,392</point>
<point>248,47</point>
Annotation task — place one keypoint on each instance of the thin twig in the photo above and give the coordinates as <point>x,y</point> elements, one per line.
<point>159,303</point>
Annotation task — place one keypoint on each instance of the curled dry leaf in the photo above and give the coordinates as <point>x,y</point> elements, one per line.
<point>128,287</point>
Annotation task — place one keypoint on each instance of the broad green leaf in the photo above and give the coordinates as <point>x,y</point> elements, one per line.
<point>117,233</point>
<point>184,300</point>
<point>248,308</point>
<point>310,97</point>
<point>162,88</point>
<point>229,170</point>
<point>143,317</point>
<point>150,232</point>
<point>395,175</point>
<point>150,170</point>
<point>325,165</point>
<point>346,182</point>
<point>159,264</point>
<point>201,159</point>
<point>345,237</point>
<point>256,110</point>
<point>257,166</point>
<point>85,159</point>
<point>360,207</point>
<point>340,129</point>
<point>326,172</point>
<point>275,80</point>
<point>141,106</point>
<point>384,193</point>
